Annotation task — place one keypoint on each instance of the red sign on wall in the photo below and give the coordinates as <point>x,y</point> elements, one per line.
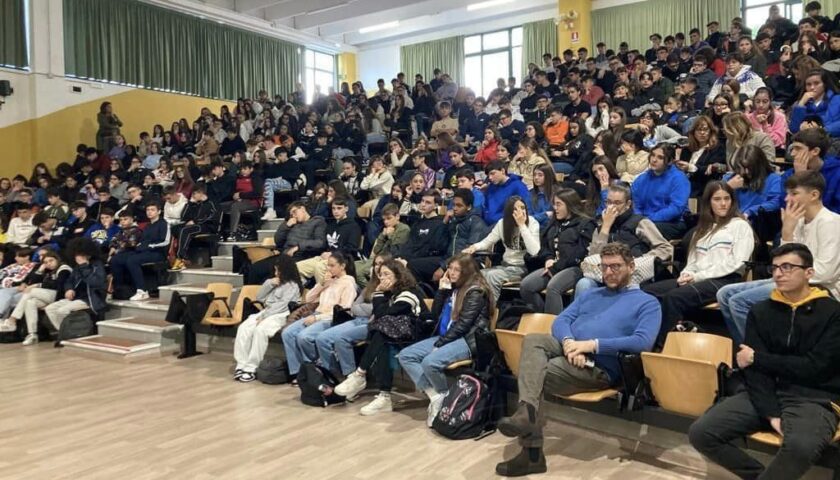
<point>575,37</point>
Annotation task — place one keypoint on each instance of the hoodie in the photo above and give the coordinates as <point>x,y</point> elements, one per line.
<point>749,81</point>
<point>427,239</point>
<point>344,235</point>
<point>497,195</point>
<point>831,172</point>
<point>828,110</point>
<point>172,212</point>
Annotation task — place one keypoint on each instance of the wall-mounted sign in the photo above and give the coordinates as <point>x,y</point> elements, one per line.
<point>575,37</point>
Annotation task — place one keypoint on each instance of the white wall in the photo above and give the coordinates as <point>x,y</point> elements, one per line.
<point>376,63</point>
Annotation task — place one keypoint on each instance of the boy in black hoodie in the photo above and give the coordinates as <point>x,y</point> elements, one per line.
<point>200,216</point>
<point>343,235</point>
<point>247,196</point>
<point>428,241</point>
<point>319,159</point>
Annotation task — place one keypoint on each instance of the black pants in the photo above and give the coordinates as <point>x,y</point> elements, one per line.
<point>671,230</point>
<point>185,234</point>
<point>678,301</point>
<point>424,268</point>
<point>377,360</point>
<point>808,427</point>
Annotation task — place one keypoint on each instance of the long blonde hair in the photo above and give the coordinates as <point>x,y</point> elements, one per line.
<point>737,128</point>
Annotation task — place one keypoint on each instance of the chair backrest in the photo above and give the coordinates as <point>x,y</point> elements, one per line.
<point>221,292</point>
<point>246,291</point>
<point>257,253</point>
<point>268,242</point>
<point>510,343</point>
<point>536,323</point>
<point>699,346</point>
<point>681,385</point>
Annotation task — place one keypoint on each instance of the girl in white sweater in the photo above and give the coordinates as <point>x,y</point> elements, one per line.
<point>721,244</point>
<point>520,234</point>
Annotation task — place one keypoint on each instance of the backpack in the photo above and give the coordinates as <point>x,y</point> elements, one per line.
<point>76,325</point>
<point>510,315</point>
<point>273,371</point>
<point>245,233</point>
<point>316,386</point>
<point>466,410</point>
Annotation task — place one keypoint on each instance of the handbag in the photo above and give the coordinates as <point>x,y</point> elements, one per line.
<point>644,271</point>
<point>302,311</point>
<point>397,328</point>
<point>341,315</point>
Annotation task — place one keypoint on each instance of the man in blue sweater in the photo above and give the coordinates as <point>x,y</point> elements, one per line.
<point>501,187</point>
<point>581,354</point>
<point>808,149</point>
<point>661,193</point>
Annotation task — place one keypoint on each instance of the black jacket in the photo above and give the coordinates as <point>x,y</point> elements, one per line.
<point>474,315</point>
<point>797,350</point>
<point>221,189</point>
<point>289,170</point>
<point>428,239</point>
<point>699,179</point>
<point>344,235</point>
<point>96,209</point>
<point>204,214</point>
<point>566,242</point>
<point>89,283</point>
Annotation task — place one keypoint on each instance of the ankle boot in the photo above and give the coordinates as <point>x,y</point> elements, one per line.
<point>529,460</point>
<point>522,422</point>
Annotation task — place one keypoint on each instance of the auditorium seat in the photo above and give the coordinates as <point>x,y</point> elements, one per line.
<point>228,317</point>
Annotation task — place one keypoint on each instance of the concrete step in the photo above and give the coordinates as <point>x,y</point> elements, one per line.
<point>226,248</point>
<point>148,330</point>
<point>187,288</point>
<point>272,225</point>
<point>223,262</point>
<point>207,275</point>
<point>112,348</point>
<point>154,309</point>
<point>263,234</point>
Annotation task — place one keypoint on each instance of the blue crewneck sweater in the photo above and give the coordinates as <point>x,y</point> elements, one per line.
<point>625,320</point>
<point>661,198</point>
<point>768,199</point>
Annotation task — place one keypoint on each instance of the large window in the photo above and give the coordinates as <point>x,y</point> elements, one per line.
<point>755,12</point>
<point>319,73</point>
<point>490,56</point>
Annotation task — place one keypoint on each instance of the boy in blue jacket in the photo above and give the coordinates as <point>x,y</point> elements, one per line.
<point>152,248</point>
<point>501,187</point>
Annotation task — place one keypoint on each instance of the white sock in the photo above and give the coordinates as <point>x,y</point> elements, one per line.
<point>431,393</point>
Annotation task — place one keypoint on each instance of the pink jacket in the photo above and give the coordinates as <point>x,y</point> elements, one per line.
<point>777,131</point>
<point>341,291</point>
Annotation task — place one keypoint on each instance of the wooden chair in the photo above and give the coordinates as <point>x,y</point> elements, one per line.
<point>228,318</point>
<point>683,378</point>
<point>510,342</point>
<point>256,253</point>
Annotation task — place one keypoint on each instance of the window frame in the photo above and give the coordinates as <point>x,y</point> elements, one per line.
<point>512,69</point>
<point>315,70</point>
<point>766,4</point>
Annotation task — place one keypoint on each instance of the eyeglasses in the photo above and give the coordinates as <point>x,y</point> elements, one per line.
<point>613,267</point>
<point>786,267</point>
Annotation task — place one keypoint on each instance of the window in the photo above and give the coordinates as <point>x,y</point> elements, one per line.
<point>319,73</point>
<point>755,12</point>
<point>491,56</point>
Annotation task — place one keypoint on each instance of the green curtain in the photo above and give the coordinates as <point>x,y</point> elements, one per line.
<point>633,23</point>
<point>830,8</point>
<point>13,34</point>
<point>537,39</point>
<point>138,44</point>
<point>446,54</point>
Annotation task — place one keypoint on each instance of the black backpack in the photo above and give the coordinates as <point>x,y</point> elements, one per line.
<point>273,371</point>
<point>466,411</point>
<point>316,386</point>
<point>78,324</point>
<point>511,314</point>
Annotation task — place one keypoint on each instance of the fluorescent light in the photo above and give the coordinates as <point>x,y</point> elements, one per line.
<point>487,4</point>
<point>381,26</point>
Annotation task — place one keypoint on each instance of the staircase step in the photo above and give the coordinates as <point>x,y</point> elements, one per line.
<point>185,288</point>
<point>208,275</point>
<point>272,225</point>
<point>150,309</point>
<point>263,234</point>
<point>101,346</point>
<point>226,248</point>
<point>149,330</point>
<point>223,262</point>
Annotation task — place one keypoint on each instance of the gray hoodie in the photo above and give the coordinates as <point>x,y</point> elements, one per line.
<point>276,299</point>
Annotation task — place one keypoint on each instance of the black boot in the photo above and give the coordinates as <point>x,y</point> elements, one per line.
<point>521,423</point>
<point>529,460</point>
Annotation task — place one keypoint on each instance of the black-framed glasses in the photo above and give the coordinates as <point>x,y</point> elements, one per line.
<point>785,268</point>
<point>613,267</point>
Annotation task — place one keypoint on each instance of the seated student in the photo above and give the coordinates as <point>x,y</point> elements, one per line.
<point>338,288</point>
<point>104,231</point>
<point>136,205</point>
<point>56,207</point>
<point>520,234</point>
<point>48,234</point>
<point>766,118</point>
<point>580,354</point>
<point>335,189</point>
<point>12,278</point>
<point>173,208</point>
<point>818,99</point>
<point>335,345</point>
<point>21,227</point>
<point>789,362</point>
<point>463,305</point>
<point>539,200</point>
<point>739,133</point>
<point>528,156</point>
<point>247,196</point>
<point>79,220</point>
<point>254,332</point>
<point>634,161</point>
<point>377,183</point>
<point>464,227</point>
<point>104,201</point>
<point>602,174</point>
<point>199,217</point>
<point>486,151</point>
<point>127,239</point>
<point>576,153</point>
<point>510,129</point>
<point>395,299</point>
<point>661,193</point>
<point>393,236</point>
<point>704,150</point>
<point>38,291</point>
<point>458,160</point>
<point>757,187</point>
<point>85,286</point>
<point>342,235</point>
<point>749,81</point>
<point>153,246</point>
<point>395,196</point>
<point>502,186</point>
<point>804,220</point>
<point>465,179</point>
<point>427,241</point>
<point>220,183</point>
<point>350,177</point>
<point>282,174</point>
<point>809,152</point>
<point>720,246</point>
<point>563,244</point>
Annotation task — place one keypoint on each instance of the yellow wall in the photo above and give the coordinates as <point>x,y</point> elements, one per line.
<point>347,70</point>
<point>52,138</point>
<point>582,26</point>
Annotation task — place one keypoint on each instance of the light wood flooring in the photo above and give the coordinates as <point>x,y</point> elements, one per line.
<point>71,417</point>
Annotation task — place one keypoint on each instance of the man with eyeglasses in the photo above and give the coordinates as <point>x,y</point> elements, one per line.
<point>580,354</point>
<point>789,364</point>
<point>510,129</point>
<point>805,220</point>
<point>705,77</point>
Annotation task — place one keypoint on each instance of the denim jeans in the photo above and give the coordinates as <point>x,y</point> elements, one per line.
<point>299,343</point>
<point>736,300</point>
<point>9,297</point>
<point>335,345</point>
<point>585,284</point>
<point>272,185</point>
<point>425,364</point>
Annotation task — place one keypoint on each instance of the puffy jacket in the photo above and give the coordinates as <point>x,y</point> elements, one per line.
<point>566,242</point>
<point>464,231</point>
<point>474,315</point>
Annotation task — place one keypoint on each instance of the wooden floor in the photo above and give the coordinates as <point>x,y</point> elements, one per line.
<point>71,417</point>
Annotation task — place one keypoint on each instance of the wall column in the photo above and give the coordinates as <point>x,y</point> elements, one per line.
<point>577,33</point>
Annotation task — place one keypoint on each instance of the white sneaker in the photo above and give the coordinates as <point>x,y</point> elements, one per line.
<point>30,339</point>
<point>435,404</point>
<point>7,326</point>
<point>352,385</point>
<point>139,296</point>
<point>382,403</point>
<point>270,214</point>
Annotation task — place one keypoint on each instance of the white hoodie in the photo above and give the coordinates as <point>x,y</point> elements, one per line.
<point>172,211</point>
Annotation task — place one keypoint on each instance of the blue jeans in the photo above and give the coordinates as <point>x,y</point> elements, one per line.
<point>299,343</point>
<point>335,345</point>
<point>736,300</point>
<point>271,186</point>
<point>585,284</point>
<point>563,167</point>
<point>425,364</point>
<point>9,297</point>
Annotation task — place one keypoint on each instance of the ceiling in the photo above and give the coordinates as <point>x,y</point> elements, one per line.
<point>339,21</point>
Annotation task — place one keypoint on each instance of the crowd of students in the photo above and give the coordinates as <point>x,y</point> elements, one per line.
<point>574,186</point>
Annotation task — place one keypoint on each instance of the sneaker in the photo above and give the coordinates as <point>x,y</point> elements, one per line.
<point>7,326</point>
<point>270,214</point>
<point>435,404</point>
<point>238,373</point>
<point>351,387</point>
<point>246,377</point>
<point>30,339</point>
<point>139,296</point>
<point>382,403</point>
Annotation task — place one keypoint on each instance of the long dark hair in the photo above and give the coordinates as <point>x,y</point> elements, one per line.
<point>771,112</point>
<point>593,193</point>
<point>548,187</point>
<point>609,144</point>
<point>345,261</point>
<point>470,276</point>
<point>286,270</point>
<point>367,293</point>
<point>573,202</point>
<point>404,280</point>
<point>708,223</point>
<point>510,231</point>
<point>751,163</point>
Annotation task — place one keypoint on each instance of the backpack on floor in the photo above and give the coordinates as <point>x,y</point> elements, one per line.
<point>316,386</point>
<point>76,325</point>
<point>244,233</point>
<point>466,410</point>
<point>273,371</point>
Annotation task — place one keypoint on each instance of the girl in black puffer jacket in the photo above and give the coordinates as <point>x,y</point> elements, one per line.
<point>563,246</point>
<point>463,305</point>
